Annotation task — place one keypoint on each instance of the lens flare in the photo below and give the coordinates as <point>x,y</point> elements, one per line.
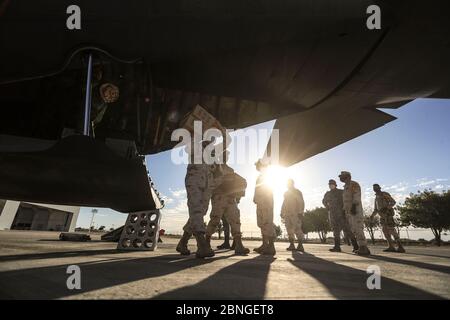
<point>276,178</point>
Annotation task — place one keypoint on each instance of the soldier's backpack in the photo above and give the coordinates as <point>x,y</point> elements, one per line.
<point>234,185</point>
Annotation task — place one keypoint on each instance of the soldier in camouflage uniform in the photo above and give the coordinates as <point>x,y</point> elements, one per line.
<point>354,211</point>
<point>384,207</point>
<point>199,185</point>
<point>263,198</point>
<point>225,204</point>
<point>292,214</point>
<point>333,201</point>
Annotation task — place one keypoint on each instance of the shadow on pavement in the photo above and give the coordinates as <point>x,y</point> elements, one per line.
<point>245,279</point>
<point>418,264</point>
<point>426,255</point>
<point>58,255</point>
<point>50,282</point>
<point>345,282</point>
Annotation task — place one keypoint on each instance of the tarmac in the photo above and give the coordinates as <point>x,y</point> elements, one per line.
<point>33,265</point>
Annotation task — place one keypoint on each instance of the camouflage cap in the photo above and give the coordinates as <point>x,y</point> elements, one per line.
<point>331,181</point>
<point>345,174</point>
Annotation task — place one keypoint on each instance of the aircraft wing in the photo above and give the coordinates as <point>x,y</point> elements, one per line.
<point>306,134</point>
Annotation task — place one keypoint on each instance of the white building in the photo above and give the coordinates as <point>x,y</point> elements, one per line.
<point>16,215</point>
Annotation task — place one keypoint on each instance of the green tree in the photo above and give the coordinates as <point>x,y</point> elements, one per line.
<point>427,209</point>
<point>316,220</point>
<point>278,231</point>
<point>371,224</point>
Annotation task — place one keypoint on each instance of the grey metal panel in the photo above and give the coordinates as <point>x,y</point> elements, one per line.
<point>308,133</point>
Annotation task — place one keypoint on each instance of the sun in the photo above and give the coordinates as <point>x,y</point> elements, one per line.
<point>276,177</point>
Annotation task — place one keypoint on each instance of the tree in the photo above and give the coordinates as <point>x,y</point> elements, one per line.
<point>101,228</point>
<point>316,220</point>
<point>278,231</point>
<point>427,209</point>
<point>219,229</point>
<point>371,224</point>
<point>307,225</point>
<point>398,223</point>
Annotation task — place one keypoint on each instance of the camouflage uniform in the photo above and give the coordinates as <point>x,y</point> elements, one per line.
<point>263,198</point>
<point>292,212</point>
<point>224,205</point>
<point>199,185</point>
<point>354,211</point>
<point>333,201</point>
<point>384,204</point>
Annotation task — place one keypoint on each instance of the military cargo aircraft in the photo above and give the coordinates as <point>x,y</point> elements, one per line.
<point>315,66</point>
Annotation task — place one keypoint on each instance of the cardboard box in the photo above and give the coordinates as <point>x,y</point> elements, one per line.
<point>200,114</point>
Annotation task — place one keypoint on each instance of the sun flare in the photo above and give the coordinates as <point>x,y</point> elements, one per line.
<point>276,178</point>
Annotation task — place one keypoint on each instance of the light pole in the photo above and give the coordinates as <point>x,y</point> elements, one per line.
<point>94,211</point>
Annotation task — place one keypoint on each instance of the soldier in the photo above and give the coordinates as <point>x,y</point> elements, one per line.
<point>354,211</point>
<point>333,201</point>
<point>225,204</point>
<point>292,214</point>
<point>103,94</point>
<point>263,198</point>
<point>384,207</point>
<point>199,185</point>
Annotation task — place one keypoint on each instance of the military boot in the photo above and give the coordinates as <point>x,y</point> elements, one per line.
<point>224,245</point>
<point>203,247</point>
<point>337,246</point>
<point>270,248</point>
<point>363,251</point>
<point>355,245</point>
<point>239,247</point>
<point>182,244</point>
<point>400,248</point>
<point>291,245</point>
<point>262,246</point>
<point>391,247</point>
<point>300,247</point>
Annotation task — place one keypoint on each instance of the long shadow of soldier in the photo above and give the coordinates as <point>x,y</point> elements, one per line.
<point>345,282</point>
<point>50,282</point>
<point>59,254</point>
<point>418,264</point>
<point>245,279</point>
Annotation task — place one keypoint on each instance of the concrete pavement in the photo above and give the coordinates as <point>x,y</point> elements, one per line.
<point>33,266</point>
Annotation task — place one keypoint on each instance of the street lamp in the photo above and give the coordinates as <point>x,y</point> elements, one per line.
<point>94,211</point>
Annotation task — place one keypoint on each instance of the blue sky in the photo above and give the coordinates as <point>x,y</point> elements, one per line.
<point>406,155</point>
